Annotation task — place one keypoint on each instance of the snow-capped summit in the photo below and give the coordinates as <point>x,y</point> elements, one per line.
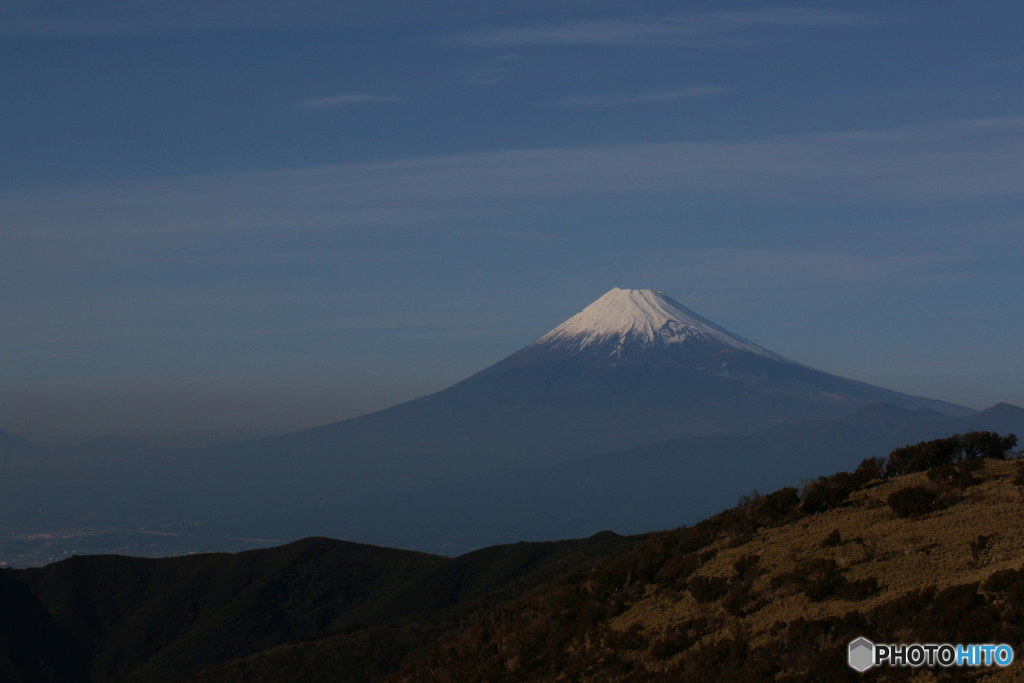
<point>623,318</point>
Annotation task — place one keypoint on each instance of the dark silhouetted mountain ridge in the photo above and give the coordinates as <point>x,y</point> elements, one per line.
<point>114,618</point>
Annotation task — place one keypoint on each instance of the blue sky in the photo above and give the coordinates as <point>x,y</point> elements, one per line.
<point>243,218</point>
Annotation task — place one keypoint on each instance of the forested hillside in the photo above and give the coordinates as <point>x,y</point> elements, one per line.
<point>113,618</point>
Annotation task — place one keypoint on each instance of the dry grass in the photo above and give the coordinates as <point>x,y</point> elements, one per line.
<point>773,589</point>
<point>901,554</point>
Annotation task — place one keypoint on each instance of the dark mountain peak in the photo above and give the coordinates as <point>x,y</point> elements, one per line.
<point>1003,409</point>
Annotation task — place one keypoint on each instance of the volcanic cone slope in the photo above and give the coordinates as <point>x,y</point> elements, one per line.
<point>633,368</point>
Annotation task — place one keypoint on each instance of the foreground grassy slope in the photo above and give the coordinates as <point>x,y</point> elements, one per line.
<point>775,588</point>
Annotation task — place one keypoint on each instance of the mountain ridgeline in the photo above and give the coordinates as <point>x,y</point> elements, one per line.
<point>112,618</point>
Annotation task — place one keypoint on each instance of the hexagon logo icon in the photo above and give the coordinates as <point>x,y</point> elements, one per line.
<point>861,655</point>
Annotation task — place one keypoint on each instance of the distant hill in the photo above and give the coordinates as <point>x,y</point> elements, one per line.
<point>115,618</point>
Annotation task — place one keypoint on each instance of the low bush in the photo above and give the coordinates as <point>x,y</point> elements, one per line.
<point>737,598</point>
<point>832,540</point>
<point>818,579</point>
<point>747,568</point>
<point>1001,580</point>
<point>986,445</point>
<point>826,493</point>
<point>854,591</point>
<point>708,588</point>
<point>957,476</point>
<point>631,639</point>
<point>926,455</point>
<point>677,569</point>
<point>777,507</point>
<point>824,581</point>
<point>870,469</point>
<point>979,547</point>
<point>912,501</point>
<point>678,638</point>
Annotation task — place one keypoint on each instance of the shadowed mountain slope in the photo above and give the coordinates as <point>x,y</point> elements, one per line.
<point>34,647</point>
<point>651,487</point>
<point>115,618</point>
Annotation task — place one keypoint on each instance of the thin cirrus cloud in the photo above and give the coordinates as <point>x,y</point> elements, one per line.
<point>930,164</point>
<point>130,17</point>
<point>667,29</point>
<point>605,101</point>
<point>761,269</point>
<point>346,100</point>
<point>168,17</point>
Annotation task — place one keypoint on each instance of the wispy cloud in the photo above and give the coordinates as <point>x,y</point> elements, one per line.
<point>622,99</point>
<point>347,100</point>
<point>682,27</point>
<point>935,164</point>
<point>132,17</point>
<point>492,72</point>
<point>780,270</point>
<point>161,17</point>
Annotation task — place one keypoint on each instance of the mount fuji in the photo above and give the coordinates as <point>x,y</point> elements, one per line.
<point>633,368</point>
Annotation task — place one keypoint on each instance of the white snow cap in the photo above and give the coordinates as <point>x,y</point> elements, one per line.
<point>644,316</point>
